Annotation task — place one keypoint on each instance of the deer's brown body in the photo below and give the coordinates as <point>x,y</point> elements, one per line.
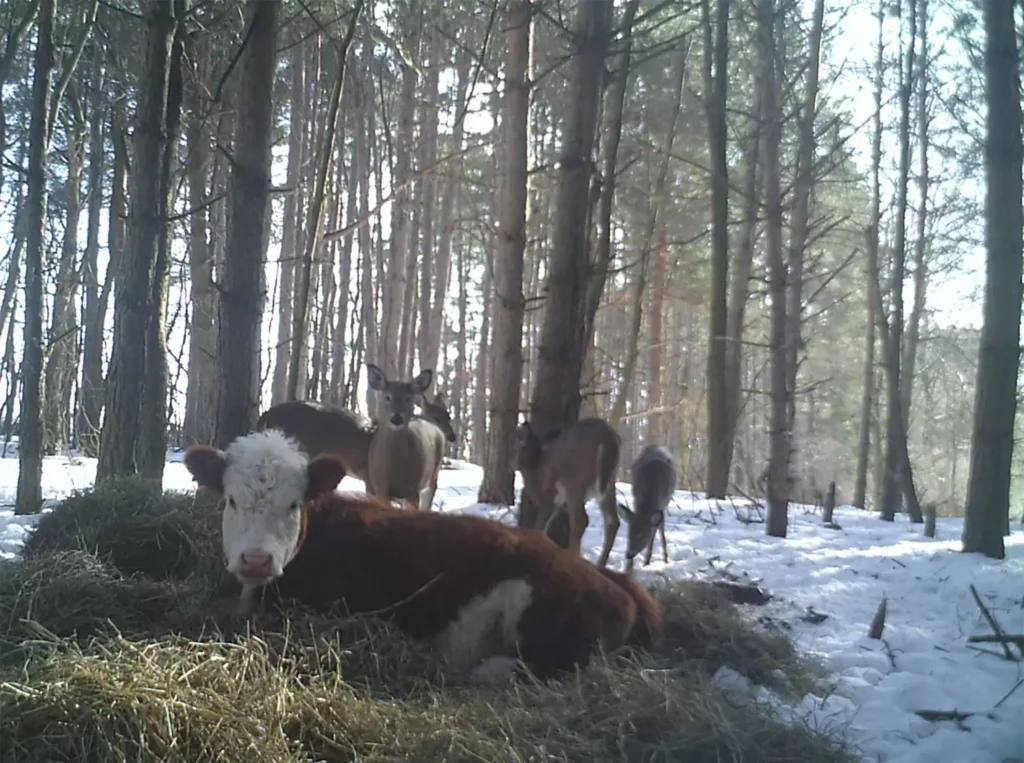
<point>406,452</point>
<point>654,476</point>
<point>325,429</point>
<point>569,469</point>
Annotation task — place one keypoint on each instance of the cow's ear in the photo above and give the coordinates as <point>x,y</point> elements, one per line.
<point>324,474</point>
<point>207,465</point>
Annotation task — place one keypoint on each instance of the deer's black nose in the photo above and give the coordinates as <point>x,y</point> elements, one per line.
<point>396,420</point>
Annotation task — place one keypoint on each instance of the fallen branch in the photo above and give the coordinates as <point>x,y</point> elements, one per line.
<point>994,625</point>
<point>987,639</point>
<point>878,621</point>
<point>739,593</point>
<point>943,715</point>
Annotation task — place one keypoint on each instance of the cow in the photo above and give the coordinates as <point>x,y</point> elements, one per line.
<point>484,594</point>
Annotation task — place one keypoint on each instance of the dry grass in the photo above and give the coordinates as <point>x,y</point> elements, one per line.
<point>101,663</point>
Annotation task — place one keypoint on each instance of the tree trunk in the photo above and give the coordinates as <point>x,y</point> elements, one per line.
<point>286,284</point>
<point>483,362</point>
<point>556,397</point>
<point>739,291</point>
<point>988,492</point>
<point>397,274</point>
<point>58,377</point>
<point>124,387</point>
<point>715,84</point>
<point>658,418</point>
<point>864,438</point>
<point>152,446</point>
<point>920,267</point>
<point>315,219</point>
<point>507,345</point>
<point>800,223</point>
<point>243,292</point>
<point>88,423</point>
<point>200,403</point>
<point>30,453</point>
<point>340,342</point>
<point>614,107</point>
<point>894,473</point>
<point>364,105</point>
<point>429,270</point>
<point>452,190</point>
<point>779,481</point>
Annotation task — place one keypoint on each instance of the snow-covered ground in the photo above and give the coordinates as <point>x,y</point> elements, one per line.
<point>923,661</point>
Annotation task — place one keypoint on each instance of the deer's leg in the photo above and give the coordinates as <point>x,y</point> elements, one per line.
<point>610,514</point>
<point>664,545</point>
<point>650,550</point>
<point>578,522</point>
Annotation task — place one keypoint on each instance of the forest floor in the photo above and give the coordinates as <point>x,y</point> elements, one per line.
<point>825,584</point>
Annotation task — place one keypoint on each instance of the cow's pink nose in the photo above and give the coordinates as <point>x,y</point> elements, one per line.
<point>255,563</point>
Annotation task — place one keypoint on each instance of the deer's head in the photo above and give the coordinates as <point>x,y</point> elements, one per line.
<point>399,396</point>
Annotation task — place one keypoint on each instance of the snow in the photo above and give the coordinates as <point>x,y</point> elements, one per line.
<point>923,661</point>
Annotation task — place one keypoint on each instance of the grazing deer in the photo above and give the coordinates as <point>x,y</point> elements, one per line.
<point>483,594</point>
<point>320,429</point>
<point>570,468</point>
<point>406,451</point>
<point>654,479</point>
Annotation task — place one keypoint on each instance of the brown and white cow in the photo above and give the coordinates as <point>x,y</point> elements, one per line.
<point>481,592</point>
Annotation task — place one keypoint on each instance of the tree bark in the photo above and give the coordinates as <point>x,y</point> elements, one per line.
<point>715,84</point>
<point>614,108</point>
<point>59,374</point>
<point>988,492</point>
<point>30,453</point>
<point>289,250</point>
<point>800,223</point>
<point>920,249</point>
<point>556,397</point>
<point>243,292</point>
<point>779,481</point>
<point>314,222</point>
<point>152,446</point>
<point>507,344</point>
<point>132,309</point>
<point>429,270</point>
<point>894,473</point>
<point>364,106</point>
<point>88,423</point>
<point>200,403</point>
<point>452,191</point>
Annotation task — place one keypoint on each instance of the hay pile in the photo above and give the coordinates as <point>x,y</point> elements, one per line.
<point>109,655</point>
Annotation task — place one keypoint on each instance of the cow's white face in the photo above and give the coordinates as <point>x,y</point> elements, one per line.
<point>265,480</point>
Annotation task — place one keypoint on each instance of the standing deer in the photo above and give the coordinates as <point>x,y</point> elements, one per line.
<point>321,429</point>
<point>654,479</point>
<point>406,451</point>
<point>570,468</point>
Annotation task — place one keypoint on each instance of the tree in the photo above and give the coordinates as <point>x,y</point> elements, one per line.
<point>778,477</point>
<point>507,339</point>
<point>715,84</point>
<point>133,308</point>
<point>556,392</point>
<point>995,402</point>
<point>242,291</point>
<point>30,454</point>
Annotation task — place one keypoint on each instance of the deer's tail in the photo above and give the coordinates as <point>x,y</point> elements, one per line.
<point>649,613</point>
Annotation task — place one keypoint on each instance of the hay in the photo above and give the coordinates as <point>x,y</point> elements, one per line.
<point>159,535</point>
<point>102,663</point>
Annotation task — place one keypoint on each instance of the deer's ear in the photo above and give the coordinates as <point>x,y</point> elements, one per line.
<point>625,513</point>
<point>207,465</point>
<point>421,382</point>
<point>323,474</point>
<point>375,377</point>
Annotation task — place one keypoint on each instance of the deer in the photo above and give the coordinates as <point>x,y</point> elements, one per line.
<point>320,428</point>
<point>406,450</point>
<point>569,468</point>
<point>654,476</point>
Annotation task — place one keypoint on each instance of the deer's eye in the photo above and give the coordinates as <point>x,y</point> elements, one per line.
<point>231,502</point>
<point>295,506</point>
<point>387,397</point>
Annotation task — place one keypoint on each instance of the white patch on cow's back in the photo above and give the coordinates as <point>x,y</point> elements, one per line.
<point>492,671</point>
<point>486,627</point>
<point>266,476</point>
